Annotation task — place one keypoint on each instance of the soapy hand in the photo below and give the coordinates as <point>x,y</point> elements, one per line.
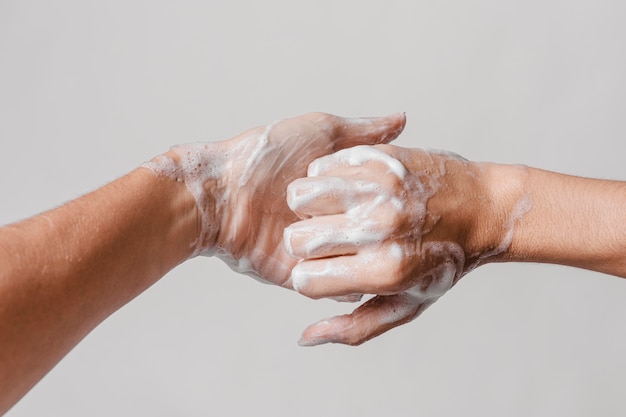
<point>239,185</point>
<point>398,223</point>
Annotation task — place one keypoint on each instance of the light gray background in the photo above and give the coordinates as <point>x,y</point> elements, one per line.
<point>90,89</point>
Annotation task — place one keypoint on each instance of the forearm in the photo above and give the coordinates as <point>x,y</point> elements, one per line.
<point>66,270</point>
<point>573,221</point>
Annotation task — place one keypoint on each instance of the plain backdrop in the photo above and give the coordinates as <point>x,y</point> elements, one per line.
<point>91,89</point>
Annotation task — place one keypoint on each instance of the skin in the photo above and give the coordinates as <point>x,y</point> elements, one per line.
<point>450,216</point>
<point>438,217</point>
<point>65,271</point>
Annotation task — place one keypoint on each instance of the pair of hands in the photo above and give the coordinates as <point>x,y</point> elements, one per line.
<point>366,218</point>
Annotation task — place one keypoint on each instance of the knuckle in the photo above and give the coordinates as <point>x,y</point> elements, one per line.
<point>389,284</point>
<point>354,342</point>
<point>320,118</point>
<point>395,219</point>
<point>395,277</point>
<point>388,149</point>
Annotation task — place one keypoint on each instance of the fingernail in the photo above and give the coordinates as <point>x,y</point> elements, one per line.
<point>298,278</point>
<point>312,342</point>
<point>297,195</point>
<point>316,334</point>
<point>315,168</point>
<point>287,240</point>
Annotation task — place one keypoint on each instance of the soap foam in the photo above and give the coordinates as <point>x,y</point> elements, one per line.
<point>356,156</point>
<point>301,194</point>
<point>197,164</point>
<point>377,210</point>
<point>261,148</point>
<point>447,259</point>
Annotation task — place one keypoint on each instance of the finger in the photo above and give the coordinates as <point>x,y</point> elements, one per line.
<point>333,235</point>
<point>356,156</point>
<point>373,318</point>
<point>321,196</point>
<point>368,130</point>
<point>367,272</point>
<point>352,298</point>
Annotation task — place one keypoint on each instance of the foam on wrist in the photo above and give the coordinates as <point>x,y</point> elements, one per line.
<point>197,165</point>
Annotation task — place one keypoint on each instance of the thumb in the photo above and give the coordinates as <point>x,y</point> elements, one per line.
<point>376,316</point>
<point>367,130</point>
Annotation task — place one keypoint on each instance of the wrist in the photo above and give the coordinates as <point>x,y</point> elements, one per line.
<point>173,217</point>
<point>507,202</point>
<point>196,171</point>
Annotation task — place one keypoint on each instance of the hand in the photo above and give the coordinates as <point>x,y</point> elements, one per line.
<point>240,184</point>
<point>404,224</point>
